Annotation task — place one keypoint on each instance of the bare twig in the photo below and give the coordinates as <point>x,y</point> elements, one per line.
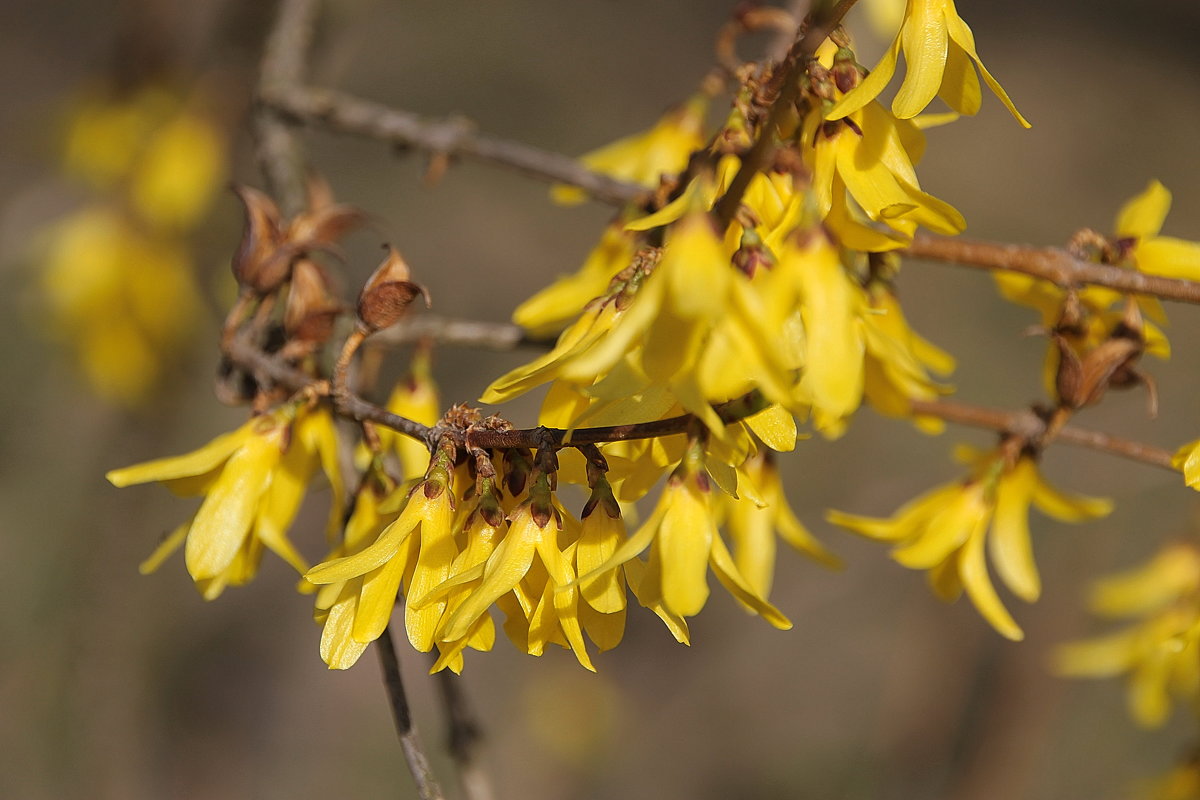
<point>345,113</point>
<point>763,150</point>
<point>1051,264</point>
<point>410,742</point>
<point>464,736</point>
<point>283,63</point>
<point>500,336</point>
<point>1029,425</point>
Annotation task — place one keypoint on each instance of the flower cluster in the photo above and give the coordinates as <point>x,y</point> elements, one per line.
<point>118,274</point>
<point>1159,651</point>
<point>950,530</point>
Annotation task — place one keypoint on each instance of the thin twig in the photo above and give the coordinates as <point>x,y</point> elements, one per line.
<point>763,151</point>
<point>1051,264</point>
<point>464,735</point>
<point>499,336</point>
<point>345,113</point>
<point>284,57</point>
<point>410,742</point>
<point>1028,424</point>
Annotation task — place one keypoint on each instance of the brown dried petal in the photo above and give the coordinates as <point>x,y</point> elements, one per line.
<point>261,236</point>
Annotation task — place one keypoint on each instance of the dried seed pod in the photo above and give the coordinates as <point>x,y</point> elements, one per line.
<point>388,293</point>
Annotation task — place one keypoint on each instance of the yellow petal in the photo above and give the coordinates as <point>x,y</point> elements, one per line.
<point>871,85</point>
<point>1009,542</point>
<point>723,567</point>
<point>197,462</point>
<point>224,519</point>
<point>1143,215</point>
<point>925,41</point>
<point>973,572</point>
<point>684,540</point>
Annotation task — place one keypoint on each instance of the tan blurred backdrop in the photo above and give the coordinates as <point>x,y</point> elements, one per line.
<point>114,685</point>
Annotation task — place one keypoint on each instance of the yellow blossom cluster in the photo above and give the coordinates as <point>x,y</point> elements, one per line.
<point>117,273</point>
<point>1159,651</point>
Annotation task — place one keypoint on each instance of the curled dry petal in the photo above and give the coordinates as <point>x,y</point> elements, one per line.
<point>261,238</point>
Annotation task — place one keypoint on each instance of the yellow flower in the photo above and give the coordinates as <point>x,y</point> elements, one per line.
<point>415,397</point>
<point>417,548</point>
<point>644,157</point>
<point>125,301</point>
<point>870,158</point>
<point>939,48</point>
<point>528,565</point>
<point>946,531</point>
<point>642,349</point>
<point>755,517</point>
<point>1187,461</point>
<point>1138,224</point>
<point>336,605</point>
<point>253,481</point>
<point>169,154</point>
<point>898,361</point>
<point>1160,653</point>
<point>684,543</point>
<point>550,309</point>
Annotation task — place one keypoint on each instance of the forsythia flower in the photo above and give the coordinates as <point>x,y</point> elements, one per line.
<point>644,157</point>
<point>755,517</point>
<point>122,299</point>
<point>684,543</point>
<point>1138,224</point>
<point>416,549</point>
<point>939,48</point>
<point>547,311</point>
<point>253,481</point>
<point>946,531</point>
<point>1161,652</point>
<point>1187,461</point>
<point>118,274</point>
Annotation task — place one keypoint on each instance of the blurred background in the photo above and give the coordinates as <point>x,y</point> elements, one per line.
<point>115,685</point>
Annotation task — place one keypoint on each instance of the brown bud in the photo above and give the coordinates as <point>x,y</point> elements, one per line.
<point>388,293</point>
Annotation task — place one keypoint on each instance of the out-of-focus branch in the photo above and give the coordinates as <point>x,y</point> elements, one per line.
<point>500,336</point>
<point>284,58</point>
<point>1030,426</point>
<point>410,742</point>
<point>454,137</point>
<point>464,736</point>
<point>1051,264</point>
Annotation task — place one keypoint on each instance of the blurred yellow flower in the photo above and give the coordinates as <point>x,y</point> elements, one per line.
<point>945,531</point>
<point>1160,653</point>
<point>253,481</point>
<point>122,299</point>
<point>940,50</point>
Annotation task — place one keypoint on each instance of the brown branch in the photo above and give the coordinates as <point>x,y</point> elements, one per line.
<point>345,113</point>
<point>1051,264</point>
<point>284,57</point>
<point>763,151</point>
<point>269,369</point>
<point>500,336</point>
<point>1029,425</point>
<point>410,742</point>
<point>464,736</point>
